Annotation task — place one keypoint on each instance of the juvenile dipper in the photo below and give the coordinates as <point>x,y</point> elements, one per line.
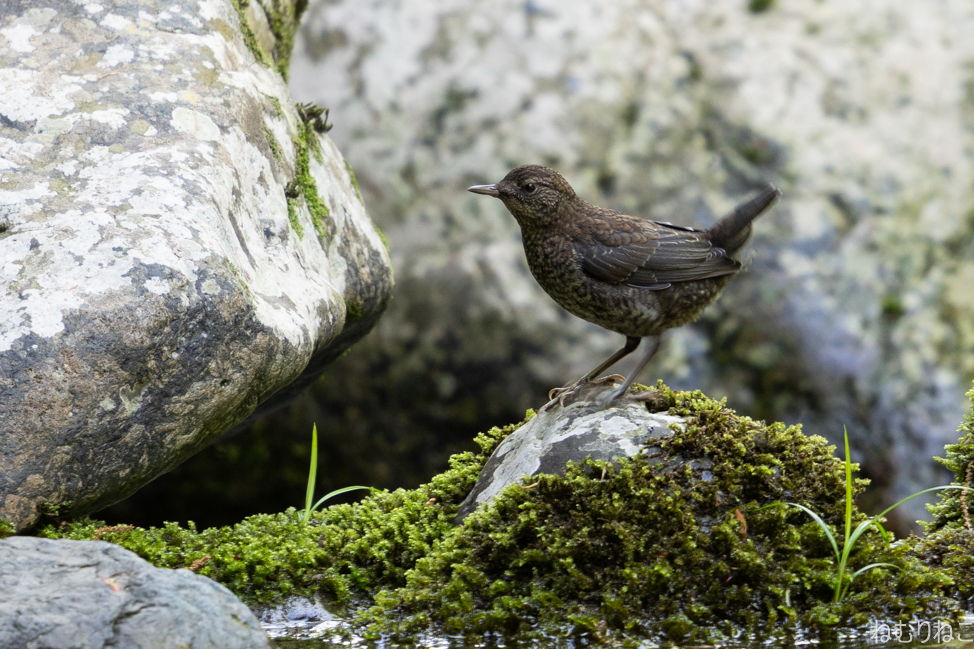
<point>626,274</point>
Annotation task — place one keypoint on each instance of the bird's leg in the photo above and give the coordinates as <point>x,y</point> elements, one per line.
<point>647,356</point>
<point>632,342</point>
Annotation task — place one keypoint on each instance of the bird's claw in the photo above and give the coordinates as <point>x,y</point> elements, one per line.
<point>558,395</point>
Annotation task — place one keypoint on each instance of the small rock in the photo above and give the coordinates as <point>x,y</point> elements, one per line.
<point>572,432</point>
<point>93,594</point>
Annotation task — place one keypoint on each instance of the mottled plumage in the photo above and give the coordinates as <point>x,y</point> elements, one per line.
<point>626,274</point>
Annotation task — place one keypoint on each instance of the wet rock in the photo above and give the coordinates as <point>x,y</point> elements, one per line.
<point>573,431</point>
<point>295,610</point>
<point>858,299</point>
<point>177,246</point>
<point>65,594</point>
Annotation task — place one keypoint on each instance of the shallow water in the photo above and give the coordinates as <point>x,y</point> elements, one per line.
<point>919,633</point>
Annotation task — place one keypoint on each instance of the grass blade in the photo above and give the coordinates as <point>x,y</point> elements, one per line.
<point>337,492</point>
<point>892,507</point>
<point>848,487</point>
<point>312,476</point>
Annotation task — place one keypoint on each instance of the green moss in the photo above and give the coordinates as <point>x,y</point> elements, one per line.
<point>314,144</point>
<point>952,550</point>
<point>358,192</point>
<point>250,39</point>
<point>278,109</point>
<point>293,195</point>
<point>651,546</point>
<point>950,537</point>
<point>892,306</point>
<point>307,139</point>
<point>272,143</point>
<point>6,528</point>
<point>353,309</point>
<point>634,549</point>
<point>239,276</point>
<point>956,507</point>
<point>385,242</point>
<point>759,6</point>
<point>344,554</point>
<point>283,19</point>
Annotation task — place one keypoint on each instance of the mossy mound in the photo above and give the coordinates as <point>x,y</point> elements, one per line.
<point>950,537</point>
<point>660,549</point>
<point>956,508</point>
<point>649,546</point>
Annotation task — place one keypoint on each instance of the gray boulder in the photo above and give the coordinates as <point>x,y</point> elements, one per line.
<point>92,594</point>
<point>857,310</point>
<point>573,430</point>
<point>177,244</point>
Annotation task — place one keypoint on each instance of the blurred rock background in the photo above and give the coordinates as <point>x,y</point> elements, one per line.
<point>858,306</point>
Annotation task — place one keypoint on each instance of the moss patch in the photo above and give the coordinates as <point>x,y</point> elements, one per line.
<point>292,192</point>
<point>304,186</point>
<point>353,309</point>
<point>358,192</point>
<point>652,546</point>
<point>272,143</point>
<point>950,536</point>
<point>306,142</point>
<point>284,19</point>
<point>344,554</point>
<point>278,109</point>
<point>250,39</point>
<point>635,549</point>
<point>956,507</point>
<point>382,237</point>
<point>759,6</point>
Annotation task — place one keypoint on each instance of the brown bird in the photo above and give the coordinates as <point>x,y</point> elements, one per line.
<point>626,274</point>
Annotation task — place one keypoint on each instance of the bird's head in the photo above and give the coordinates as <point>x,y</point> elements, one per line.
<point>532,194</point>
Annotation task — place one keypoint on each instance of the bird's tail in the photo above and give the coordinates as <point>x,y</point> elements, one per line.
<point>733,231</point>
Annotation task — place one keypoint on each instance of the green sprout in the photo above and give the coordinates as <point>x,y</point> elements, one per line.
<point>842,556</point>
<point>305,516</point>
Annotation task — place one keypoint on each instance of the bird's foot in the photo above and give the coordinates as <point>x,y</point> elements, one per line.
<point>654,401</point>
<point>566,395</point>
<point>605,398</point>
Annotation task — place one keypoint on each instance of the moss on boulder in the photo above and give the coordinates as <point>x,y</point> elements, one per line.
<point>645,546</point>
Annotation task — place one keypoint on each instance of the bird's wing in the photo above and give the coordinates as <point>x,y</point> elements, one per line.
<point>621,249</point>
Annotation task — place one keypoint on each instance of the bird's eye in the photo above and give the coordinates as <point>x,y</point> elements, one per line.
<point>528,187</point>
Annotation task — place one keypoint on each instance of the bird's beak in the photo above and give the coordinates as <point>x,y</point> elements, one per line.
<point>488,190</point>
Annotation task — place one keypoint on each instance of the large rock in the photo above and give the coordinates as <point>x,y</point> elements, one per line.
<point>177,244</point>
<point>93,594</point>
<point>859,300</point>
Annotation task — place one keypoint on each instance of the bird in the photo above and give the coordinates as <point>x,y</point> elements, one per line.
<point>626,274</point>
